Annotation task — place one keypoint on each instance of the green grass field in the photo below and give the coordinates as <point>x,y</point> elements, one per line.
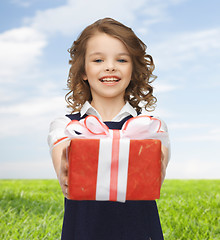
<point>33,209</point>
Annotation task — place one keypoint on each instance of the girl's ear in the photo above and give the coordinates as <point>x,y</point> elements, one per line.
<point>84,77</point>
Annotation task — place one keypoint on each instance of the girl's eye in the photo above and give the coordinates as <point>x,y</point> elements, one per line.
<point>98,60</point>
<point>122,60</point>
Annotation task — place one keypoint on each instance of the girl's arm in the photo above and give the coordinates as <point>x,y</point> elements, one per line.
<point>165,152</point>
<point>58,143</point>
<point>164,162</point>
<point>61,165</point>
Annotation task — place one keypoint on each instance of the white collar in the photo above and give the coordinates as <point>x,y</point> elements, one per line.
<point>125,111</point>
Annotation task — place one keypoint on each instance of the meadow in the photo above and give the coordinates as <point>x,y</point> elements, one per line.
<point>33,209</point>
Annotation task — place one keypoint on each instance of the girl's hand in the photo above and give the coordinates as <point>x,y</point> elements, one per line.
<point>61,165</point>
<point>164,162</point>
<point>63,173</point>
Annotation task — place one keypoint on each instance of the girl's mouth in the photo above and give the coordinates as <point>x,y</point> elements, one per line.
<point>109,79</point>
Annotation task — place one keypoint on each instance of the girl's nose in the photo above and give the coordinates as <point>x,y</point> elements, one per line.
<point>110,67</point>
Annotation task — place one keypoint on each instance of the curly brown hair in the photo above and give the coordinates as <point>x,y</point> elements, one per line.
<point>139,89</point>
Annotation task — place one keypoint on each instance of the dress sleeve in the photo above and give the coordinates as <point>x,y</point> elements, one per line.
<point>165,129</point>
<point>57,131</point>
<point>163,126</point>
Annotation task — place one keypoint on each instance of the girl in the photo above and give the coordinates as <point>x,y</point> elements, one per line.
<point>110,76</point>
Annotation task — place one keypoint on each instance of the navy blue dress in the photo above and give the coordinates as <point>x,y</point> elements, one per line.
<point>106,220</point>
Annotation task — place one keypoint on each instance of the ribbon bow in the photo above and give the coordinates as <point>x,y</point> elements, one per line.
<point>140,127</point>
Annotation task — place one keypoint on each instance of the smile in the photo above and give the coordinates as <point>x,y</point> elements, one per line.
<point>110,79</point>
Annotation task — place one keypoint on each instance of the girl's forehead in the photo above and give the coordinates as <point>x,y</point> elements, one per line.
<point>102,42</point>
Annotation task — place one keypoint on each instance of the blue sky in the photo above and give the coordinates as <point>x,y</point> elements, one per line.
<point>183,36</point>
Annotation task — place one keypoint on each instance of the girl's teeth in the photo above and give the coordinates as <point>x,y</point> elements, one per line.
<point>109,80</point>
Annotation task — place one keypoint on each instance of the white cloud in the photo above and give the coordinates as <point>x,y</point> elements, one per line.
<point>215,131</point>
<point>4,97</point>
<point>32,107</point>
<point>33,115</point>
<point>209,136</point>
<point>159,88</point>
<point>27,169</point>
<point>188,125</point>
<point>193,169</point>
<point>186,47</point>
<point>71,17</point>
<point>20,49</point>
<point>161,113</point>
<point>197,132</point>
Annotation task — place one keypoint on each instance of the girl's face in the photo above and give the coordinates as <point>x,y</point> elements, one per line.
<point>108,67</point>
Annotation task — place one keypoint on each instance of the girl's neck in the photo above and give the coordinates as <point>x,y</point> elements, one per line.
<point>108,108</point>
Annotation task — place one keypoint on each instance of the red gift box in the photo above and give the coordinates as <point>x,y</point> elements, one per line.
<point>143,173</point>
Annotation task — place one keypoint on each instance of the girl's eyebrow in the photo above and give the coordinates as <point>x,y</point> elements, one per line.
<point>95,53</point>
<point>122,54</point>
